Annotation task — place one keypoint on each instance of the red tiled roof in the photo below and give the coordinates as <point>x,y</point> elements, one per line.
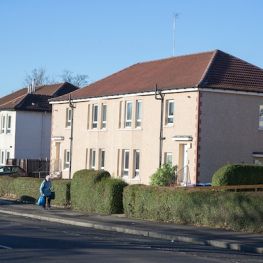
<point>38,100</point>
<point>215,69</point>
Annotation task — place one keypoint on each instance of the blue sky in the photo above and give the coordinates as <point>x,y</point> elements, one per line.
<point>100,37</point>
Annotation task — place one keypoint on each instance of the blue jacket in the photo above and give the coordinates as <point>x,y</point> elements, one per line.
<point>45,188</point>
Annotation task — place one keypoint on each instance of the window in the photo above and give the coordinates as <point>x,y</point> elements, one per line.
<point>103,116</point>
<point>260,124</point>
<point>68,117</point>
<point>120,114</point>
<point>95,116</point>
<point>125,163</point>
<point>138,113</point>
<point>168,157</point>
<point>170,112</point>
<point>8,125</point>
<point>2,157</point>
<point>66,159</point>
<point>7,155</point>
<point>92,158</point>
<point>2,124</point>
<point>102,159</point>
<point>136,159</point>
<point>128,114</point>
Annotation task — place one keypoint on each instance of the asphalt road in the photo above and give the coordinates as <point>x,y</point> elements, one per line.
<point>27,240</point>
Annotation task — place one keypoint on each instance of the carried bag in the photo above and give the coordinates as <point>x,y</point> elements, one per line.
<point>52,196</point>
<point>41,200</point>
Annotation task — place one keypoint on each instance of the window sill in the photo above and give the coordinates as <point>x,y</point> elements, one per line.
<point>168,125</point>
<point>130,129</point>
<point>97,130</point>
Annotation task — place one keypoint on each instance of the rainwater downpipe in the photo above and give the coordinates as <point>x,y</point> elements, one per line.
<point>160,96</point>
<point>71,136</point>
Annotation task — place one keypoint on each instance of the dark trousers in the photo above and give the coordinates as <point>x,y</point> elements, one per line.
<point>47,201</point>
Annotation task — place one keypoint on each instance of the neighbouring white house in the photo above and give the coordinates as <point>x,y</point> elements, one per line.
<point>25,121</point>
<point>198,111</point>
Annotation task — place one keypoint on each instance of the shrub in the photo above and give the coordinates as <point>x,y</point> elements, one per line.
<point>232,210</point>
<point>238,174</point>
<point>95,192</point>
<point>165,175</point>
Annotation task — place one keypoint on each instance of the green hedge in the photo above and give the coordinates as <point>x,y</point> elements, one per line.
<point>27,189</point>
<point>95,192</point>
<point>238,174</point>
<point>236,211</point>
<point>6,186</point>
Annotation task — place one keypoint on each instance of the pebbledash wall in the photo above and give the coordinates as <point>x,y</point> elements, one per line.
<point>229,130</point>
<point>115,139</point>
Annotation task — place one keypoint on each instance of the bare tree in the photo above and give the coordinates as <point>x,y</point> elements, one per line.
<point>78,80</point>
<point>39,76</point>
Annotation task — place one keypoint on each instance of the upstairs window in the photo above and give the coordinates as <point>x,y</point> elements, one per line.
<point>260,124</point>
<point>128,114</point>
<point>8,125</point>
<point>68,117</point>
<point>3,124</point>
<point>138,113</point>
<point>103,116</point>
<point>169,112</point>
<point>95,109</point>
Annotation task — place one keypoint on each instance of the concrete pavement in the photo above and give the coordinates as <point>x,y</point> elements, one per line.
<point>243,242</point>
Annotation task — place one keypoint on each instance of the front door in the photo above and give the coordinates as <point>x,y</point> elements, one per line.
<point>185,163</point>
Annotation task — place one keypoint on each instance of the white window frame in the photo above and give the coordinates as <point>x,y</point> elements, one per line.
<point>68,117</point>
<point>168,157</point>
<point>125,163</point>
<point>128,119</point>
<point>8,123</point>
<point>102,159</point>
<point>137,163</point>
<point>3,123</point>
<point>2,157</point>
<point>138,121</point>
<point>169,115</point>
<point>66,159</point>
<point>260,121</point>
<point>92,158</point>
<point>8,153</point>
<point>95,114</point>
<point>103,116</point>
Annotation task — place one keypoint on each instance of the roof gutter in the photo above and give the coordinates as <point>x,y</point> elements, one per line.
<point>149,93</point>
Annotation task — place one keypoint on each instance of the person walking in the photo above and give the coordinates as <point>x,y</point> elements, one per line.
<point>45,190</point>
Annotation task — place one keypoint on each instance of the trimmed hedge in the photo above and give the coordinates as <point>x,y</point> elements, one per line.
<point>27,189</point>
<point>230,210</point>
<point>238,174</point>
<point>95,192</point>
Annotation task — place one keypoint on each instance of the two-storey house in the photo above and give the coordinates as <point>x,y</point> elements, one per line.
<point>25,121</point>
<point>206,112</point>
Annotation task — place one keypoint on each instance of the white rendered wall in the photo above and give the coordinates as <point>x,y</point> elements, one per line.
<point>7,140</point>
<point>32,135</point>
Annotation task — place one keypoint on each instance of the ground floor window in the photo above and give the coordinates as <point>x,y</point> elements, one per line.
<point>168,157</point>
<point>102,159</point>
<point>92,158</point>
<point>125,162</point>
<point>66,159</point>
